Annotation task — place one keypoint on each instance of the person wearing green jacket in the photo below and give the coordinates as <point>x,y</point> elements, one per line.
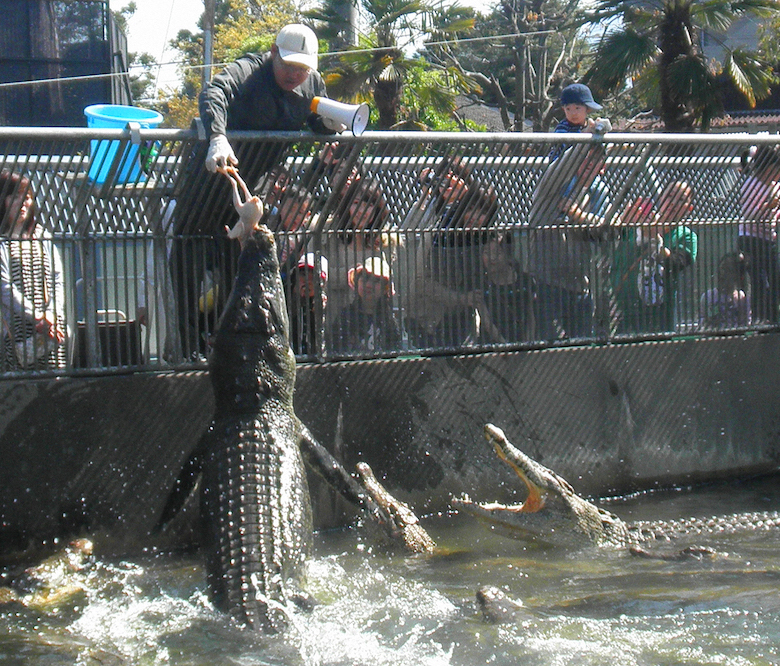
<point>654,250</point>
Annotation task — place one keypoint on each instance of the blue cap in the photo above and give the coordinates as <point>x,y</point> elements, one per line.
<point>579,93</point>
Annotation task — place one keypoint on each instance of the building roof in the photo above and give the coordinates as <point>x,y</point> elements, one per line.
<point>736,121</point>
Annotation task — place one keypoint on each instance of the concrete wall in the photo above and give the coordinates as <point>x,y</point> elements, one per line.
<point>100,455</point>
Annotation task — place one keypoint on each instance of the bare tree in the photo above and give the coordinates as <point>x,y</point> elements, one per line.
<point>531,49</point>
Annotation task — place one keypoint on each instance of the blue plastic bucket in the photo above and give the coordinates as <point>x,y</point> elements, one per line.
<point>103,154</point>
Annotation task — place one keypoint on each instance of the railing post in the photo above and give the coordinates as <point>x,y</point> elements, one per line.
<point>88,258</point>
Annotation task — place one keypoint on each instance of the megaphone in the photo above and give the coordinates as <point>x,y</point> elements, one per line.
<point>354,116</point>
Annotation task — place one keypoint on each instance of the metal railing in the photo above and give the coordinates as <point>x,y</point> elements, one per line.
<point>391,243</point>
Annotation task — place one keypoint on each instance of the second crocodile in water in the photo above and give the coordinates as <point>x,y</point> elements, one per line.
<point>554,513</point>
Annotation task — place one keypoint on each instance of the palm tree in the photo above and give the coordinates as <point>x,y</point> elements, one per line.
<point>658,48</point>
<point>377,66</point>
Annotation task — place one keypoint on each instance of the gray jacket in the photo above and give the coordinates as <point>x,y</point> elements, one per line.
<point>561,256</point>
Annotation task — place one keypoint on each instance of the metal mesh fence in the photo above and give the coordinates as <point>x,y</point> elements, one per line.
<point>393,243</point>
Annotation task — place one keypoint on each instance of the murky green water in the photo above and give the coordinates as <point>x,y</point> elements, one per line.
<point>580,607</point>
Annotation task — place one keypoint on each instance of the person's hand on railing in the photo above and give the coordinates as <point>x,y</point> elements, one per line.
<point>489,332</point>
<point>249,212</point>
<point>334,125</point>
<point>220,154</point>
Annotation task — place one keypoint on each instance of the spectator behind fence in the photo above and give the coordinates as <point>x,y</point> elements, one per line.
<point>272,186</point>
<point>759,199</point>
<point>333,172</point>
<point>453,214</point>
<point>357,230</point>
<point>441,187</point>
<point>368,324</point>
<point>577,101</point>
<point>307,279</point>
<point>291,222</point>
<point>565,220</point>
<point>655,248</point>
<point>32,290</point>
<point>508,295</point>
<point>728,305</point>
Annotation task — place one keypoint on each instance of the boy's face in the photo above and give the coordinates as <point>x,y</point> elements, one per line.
<point>293,213</point>
<point>372,288</point>
<point>590,167</point>
<point>576,114</point>
<point>676,202</point>
<point>493,256</point>
<point>305,282</point>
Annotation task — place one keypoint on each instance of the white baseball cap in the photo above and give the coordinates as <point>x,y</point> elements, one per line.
<point>298,44</point>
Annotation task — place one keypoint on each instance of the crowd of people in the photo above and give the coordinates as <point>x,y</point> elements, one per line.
<point>363,278</point>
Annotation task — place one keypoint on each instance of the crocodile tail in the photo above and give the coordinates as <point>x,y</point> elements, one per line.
<point>246,502</point>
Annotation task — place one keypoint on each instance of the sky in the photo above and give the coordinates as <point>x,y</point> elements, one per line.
<point>154,24</point>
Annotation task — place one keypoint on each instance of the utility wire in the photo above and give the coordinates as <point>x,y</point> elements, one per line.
<point>165,42</point>
<point>185,66</point>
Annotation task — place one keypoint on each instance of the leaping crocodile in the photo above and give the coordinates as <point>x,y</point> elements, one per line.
<point>255,505</point>
<point>554,513</point>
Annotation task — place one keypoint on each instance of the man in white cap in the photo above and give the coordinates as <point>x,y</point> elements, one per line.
<point>262,92</point>
<point>269,91</point>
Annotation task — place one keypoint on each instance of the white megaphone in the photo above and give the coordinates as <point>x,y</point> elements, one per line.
<point>354,116</point>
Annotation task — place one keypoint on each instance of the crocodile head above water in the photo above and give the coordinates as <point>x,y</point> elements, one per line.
<point>552,512</point>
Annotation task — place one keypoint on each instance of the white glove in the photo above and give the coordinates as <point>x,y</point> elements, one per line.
<point>220,153</point>
<point>602,126</point>
<point>334,125</point>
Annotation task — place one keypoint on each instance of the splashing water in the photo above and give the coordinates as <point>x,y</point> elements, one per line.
<point>579,607</point>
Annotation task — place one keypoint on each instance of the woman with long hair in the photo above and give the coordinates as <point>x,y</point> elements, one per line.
<point>32,293</point>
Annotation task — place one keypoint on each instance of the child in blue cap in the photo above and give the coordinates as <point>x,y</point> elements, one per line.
<point>576,100</point>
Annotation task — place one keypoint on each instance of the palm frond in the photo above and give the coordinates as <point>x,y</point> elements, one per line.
<point>695,83</point>
<point>760,8</point>
<point>457,24</point>
<point>394,71</point>
<point>388,12</point>
<point>620,56</point>
<point>619,9</point>
<point>648,86</point>
<point>716,15</point>
<point>690,77</point>
<point>753,79</point>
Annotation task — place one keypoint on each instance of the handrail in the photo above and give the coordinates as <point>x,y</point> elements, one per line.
<point>124,249</point>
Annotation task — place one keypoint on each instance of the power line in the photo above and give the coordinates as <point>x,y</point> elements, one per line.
<point>165,41</point>
<point>184,65</point>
